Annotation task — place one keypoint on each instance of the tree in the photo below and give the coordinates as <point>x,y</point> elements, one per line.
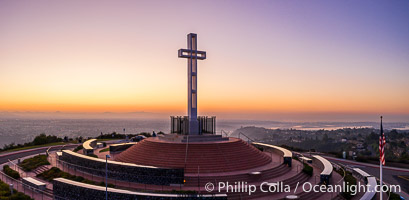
<point>41,139</point>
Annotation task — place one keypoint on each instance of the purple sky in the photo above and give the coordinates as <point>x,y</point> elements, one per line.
<point>265,58</point>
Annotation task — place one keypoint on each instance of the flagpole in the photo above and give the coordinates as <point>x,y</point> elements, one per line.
<point>380,168</point>
<point>381,180</point>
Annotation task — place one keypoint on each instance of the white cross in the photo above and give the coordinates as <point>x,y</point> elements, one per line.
<point>192,55</point>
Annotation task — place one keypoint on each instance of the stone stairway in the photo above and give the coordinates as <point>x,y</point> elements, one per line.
<point>41,169</point>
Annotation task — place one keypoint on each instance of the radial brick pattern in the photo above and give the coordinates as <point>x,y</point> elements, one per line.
<point>208,157</point>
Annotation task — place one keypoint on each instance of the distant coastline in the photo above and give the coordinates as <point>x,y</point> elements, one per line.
<point>20,130</point>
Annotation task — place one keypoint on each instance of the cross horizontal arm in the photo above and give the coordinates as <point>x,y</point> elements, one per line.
<point>187,53</point>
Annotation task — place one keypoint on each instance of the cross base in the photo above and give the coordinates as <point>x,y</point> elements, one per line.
<point>204,125</point>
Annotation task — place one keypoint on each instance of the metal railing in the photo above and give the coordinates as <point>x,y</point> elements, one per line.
<point>46,151</point>
<point>226,133</point>
<point>25,188</point>
<point>248,138</point>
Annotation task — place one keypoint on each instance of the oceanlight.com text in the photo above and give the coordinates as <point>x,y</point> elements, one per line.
<point>279,187</point>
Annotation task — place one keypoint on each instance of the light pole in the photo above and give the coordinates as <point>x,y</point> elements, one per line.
<point>11,189</point>
<point>106,176</point>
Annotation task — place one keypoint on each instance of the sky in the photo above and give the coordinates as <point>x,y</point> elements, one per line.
<point>270,60</point>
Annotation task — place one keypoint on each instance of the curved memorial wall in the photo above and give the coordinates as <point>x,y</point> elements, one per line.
<point>88,146</point>
<point>286,154</point>
<point>123,171</point>
<point>114,148</point>
<point>326,167</point>
<point>65,189</point>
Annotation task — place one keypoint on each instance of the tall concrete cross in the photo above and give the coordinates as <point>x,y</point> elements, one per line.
<point>192,55</point>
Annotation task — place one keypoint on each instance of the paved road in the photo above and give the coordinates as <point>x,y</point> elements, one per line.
<point>23,153</point>
<point>4,157</point>
<point>389,173</point>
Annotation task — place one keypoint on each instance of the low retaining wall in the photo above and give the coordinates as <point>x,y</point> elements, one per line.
<point>123,171</point>
<point>326,167</point>
<point>89,146</point>
<point>120,147</point>
<point>286,154</point>
<point>64,189</point>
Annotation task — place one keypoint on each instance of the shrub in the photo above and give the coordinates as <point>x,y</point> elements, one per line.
<point>43,139</point>
<point>102,183</point>
<point>79,179</point>
<point>52,173</point>
<point>349,180</point>
<point>55,172</point>
<point>104,150</point>
<point>260,148</point>
<point>307,169</point>
<point>11,172</point>
<point>79,147</point>
<point>394,196</point>
<point>296,158</point>
<point>6,194</point>
<point>34,162</point>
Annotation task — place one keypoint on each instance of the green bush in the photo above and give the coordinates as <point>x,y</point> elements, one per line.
<point>55,172</point>
<point>103,184</point>
<point>296,158</point>
<point>104,150</point>
<point>34,162</point>
<point>79,147</point>
<point>79,178</point>
<point>260,148</point>
<point>394,196</point>
<point>349,180</point>
<point>5,193</point>
<point>39,140</point>
<point>43,139</point>
<point>11,172</point>
<point>308,169</point>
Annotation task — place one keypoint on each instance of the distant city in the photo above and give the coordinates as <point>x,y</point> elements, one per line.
<point>20,130</point>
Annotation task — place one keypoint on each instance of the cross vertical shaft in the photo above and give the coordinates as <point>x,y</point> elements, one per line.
<point>192,85</point>
<point>192,55</point>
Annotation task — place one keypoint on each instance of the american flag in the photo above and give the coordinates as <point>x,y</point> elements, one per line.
<point>382,142</point>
